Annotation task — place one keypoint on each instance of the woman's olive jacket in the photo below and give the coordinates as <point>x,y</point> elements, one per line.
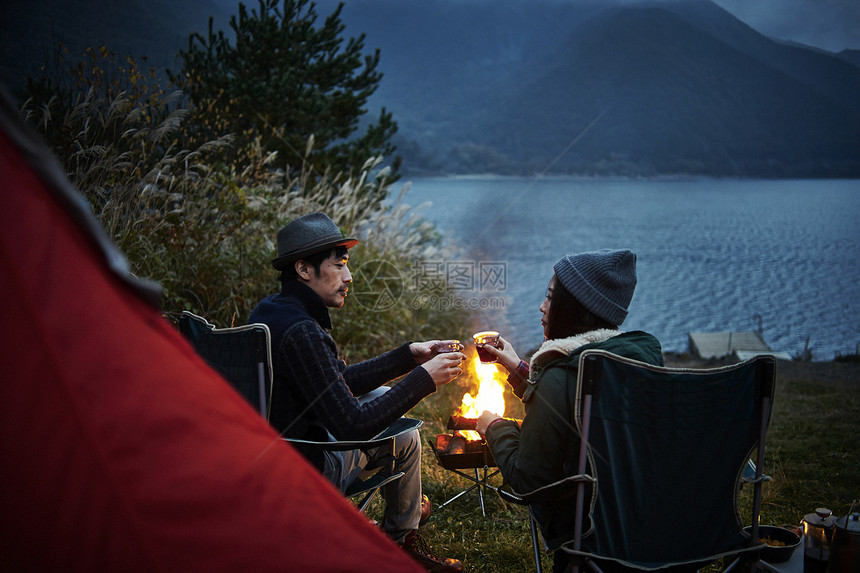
<point>546,447</point>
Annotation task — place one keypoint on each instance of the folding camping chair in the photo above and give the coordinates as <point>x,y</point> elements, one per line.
<point>663,454</point>
<point>242,355</point>
<point>552,493</point>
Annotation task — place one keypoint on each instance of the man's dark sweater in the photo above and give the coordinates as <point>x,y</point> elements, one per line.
<point>315,393</point>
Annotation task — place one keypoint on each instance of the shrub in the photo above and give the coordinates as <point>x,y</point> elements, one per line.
<point>206,230</point>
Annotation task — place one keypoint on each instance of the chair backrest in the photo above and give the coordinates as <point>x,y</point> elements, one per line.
<point>668,447</point>
<point>242,355</point>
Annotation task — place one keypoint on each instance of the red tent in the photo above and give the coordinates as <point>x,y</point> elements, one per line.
<point>120,450</point>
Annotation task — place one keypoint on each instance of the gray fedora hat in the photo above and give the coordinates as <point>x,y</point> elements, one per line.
<point>307,235</point>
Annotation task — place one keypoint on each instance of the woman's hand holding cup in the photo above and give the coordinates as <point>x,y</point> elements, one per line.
<point>503,353</point>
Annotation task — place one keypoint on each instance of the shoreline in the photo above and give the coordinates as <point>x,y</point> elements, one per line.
<point>831,372</point>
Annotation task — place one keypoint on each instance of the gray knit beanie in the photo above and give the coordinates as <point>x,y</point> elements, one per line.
<point>603,281</point>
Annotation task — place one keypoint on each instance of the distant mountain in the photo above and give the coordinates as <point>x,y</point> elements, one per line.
<point>678,87</point>
<point>850,56</point>
<point>815,67</point>
<point>675,100</point>
<point>654,87</point>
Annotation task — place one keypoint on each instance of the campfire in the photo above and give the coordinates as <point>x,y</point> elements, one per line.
<point>465,448</point>
<point>490,396</point>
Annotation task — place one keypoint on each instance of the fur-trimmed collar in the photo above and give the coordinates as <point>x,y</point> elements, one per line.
<point>560,347</point>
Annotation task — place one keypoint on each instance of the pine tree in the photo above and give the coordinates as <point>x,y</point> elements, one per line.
<point>285,80</point>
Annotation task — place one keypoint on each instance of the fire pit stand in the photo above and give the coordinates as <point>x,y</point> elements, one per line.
<point>480,483</point>
<point>455,453</point>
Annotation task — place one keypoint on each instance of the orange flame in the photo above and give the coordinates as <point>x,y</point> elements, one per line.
<point>490,396</point>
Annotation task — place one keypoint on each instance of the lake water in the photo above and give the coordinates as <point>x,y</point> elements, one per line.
<point>713,254</point>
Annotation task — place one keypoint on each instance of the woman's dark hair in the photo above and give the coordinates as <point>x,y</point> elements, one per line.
<point>315,260</point>
<point>568,317</point>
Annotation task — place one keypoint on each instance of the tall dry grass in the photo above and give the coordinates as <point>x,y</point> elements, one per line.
<point>205,230</point>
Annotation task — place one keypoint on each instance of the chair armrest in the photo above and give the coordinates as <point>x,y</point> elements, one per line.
<point>398,427</point>
<point>359,486</point>
<point>556,491</point>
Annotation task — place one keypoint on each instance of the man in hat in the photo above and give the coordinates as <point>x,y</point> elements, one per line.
<point>318,397</point>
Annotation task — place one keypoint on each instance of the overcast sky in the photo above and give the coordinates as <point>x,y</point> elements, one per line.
<point>830,24</point>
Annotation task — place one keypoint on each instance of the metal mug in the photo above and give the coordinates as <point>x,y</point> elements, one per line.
<point>845,546</point>
<point>817,533</point>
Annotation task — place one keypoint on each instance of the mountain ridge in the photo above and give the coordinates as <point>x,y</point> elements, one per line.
<point>739,104</point>
<point>512,88</point>
<point>675,122</point>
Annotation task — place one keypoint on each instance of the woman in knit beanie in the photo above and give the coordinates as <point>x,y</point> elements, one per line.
<point>586,301</point>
